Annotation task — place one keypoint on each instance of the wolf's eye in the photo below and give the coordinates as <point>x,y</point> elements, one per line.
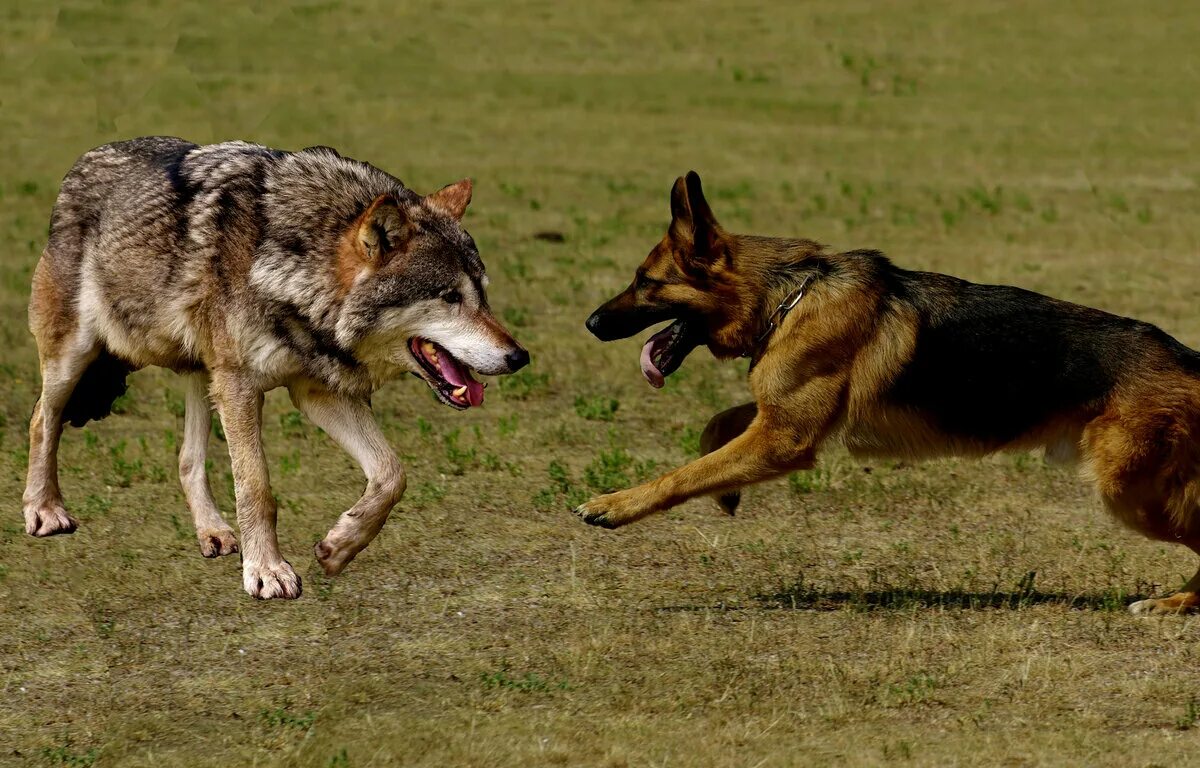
<point>452,297</point>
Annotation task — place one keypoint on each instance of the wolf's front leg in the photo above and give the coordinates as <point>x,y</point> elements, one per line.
<point>214,534</point>
<point>265,574</point>
<point>350,423</point>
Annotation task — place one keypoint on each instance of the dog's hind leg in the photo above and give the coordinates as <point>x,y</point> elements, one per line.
<point>214,534</point>
<point>351,424</point>
<point>64,361</point>
<point>1186,600</point>
<point>722,428</point>
<point>1144,463</point>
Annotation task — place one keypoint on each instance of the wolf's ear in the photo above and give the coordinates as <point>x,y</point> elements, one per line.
<point>452,200</point>
<point>383,229</point>
<point>692,221</point>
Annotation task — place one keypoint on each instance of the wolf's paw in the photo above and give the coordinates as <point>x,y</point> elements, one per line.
<point>1178,603</point>
<point>267,581</point>
<point>215,542</point>
<point>611,510</point>
<point>334,556</point>
<point>49,520</point>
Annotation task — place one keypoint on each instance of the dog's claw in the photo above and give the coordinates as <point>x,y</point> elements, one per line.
<point>598,519</point>
<point>1175,605</point>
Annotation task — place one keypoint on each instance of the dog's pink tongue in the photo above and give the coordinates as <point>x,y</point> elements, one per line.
<point>459,376</point>
<point>652,345</point>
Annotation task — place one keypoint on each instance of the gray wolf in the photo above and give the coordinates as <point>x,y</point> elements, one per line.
<point>246,268</point>
<point>892,362</point>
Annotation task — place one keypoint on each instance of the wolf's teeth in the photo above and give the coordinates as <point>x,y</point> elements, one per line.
<point>460,391</point>
<point>427,348</point>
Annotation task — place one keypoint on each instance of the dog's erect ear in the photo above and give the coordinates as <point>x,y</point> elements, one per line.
<point>452,200</point>
<point>383,230</point>
<point>692,221</point>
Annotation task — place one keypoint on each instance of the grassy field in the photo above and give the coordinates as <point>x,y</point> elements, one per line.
<point>950,613</point>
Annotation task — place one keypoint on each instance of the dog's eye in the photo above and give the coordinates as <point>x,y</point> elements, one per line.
<point>452,297</point>
<point>644,282</point>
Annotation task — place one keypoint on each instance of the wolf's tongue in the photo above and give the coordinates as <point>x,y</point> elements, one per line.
<point>649,350</point>
<point>459,376</point>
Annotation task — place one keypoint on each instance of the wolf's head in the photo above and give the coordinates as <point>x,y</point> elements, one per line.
<point>415,295</point>
<point>691,277</point>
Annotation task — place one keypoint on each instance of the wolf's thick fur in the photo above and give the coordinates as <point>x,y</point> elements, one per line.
<point>248,268</point>
<point>913,364</point>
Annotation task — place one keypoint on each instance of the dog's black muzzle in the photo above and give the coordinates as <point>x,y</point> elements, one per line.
<point>610,324</point>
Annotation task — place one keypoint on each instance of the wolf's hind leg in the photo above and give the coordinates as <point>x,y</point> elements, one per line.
<point>214,534</point>
<point>722,428</point>
<point>351,424</point>
<point>63,364</point>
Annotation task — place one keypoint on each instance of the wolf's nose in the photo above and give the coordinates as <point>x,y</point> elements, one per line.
<point>517,359</point>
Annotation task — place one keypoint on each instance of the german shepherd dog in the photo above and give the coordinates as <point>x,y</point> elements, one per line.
<point>247,268</point>
<point>893,362</point>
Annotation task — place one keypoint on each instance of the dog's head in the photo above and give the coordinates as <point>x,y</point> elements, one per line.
<point>689,277</point>
<point>416,295</point>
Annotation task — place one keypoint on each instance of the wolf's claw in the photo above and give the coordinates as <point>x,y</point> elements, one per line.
<point>50,520</point>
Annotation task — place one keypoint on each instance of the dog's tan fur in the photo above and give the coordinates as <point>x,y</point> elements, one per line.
<point>827,372</point>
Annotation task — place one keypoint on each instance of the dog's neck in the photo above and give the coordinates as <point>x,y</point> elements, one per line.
<point>773,269</point>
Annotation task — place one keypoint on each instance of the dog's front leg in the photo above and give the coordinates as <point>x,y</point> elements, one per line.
<point>265,574</point>
<point>760,453</point>
<point>350,423</point>
<point>780,438</point>
<point>722,428</point>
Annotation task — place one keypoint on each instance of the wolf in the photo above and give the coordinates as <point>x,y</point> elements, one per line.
<point>246,268</point>
<point>896,363</point>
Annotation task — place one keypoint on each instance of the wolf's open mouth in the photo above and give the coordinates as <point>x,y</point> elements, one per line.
<point>450,380</point>
<point>664,352</point>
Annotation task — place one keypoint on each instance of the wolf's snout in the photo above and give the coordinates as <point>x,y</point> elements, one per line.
<point>517,359</point>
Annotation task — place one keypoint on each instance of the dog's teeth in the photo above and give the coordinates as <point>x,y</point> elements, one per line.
<point>427,347</point>
<point>460,391</point>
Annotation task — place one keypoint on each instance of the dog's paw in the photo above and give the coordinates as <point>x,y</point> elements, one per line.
<point>332,556</point>
<point>215,542</point>
<point>1178,603</point>
<point>267,581</point>
<point>728,502</point>
<point>611,510</point>
<point>48,520</point>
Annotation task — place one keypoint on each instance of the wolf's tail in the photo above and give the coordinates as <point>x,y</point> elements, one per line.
<point>99,387</point>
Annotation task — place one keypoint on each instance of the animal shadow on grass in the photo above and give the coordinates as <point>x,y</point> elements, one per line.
<point>807,597</point>
<point>802,596</point>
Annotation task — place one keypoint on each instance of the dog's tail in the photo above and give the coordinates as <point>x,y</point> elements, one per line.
<point>99,387</point>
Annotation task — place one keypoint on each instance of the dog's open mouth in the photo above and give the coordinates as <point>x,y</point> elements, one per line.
<point>450,380</point>
<point>664,352</point>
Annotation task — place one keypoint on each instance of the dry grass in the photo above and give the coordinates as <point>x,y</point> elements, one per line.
<point>948,613</point>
